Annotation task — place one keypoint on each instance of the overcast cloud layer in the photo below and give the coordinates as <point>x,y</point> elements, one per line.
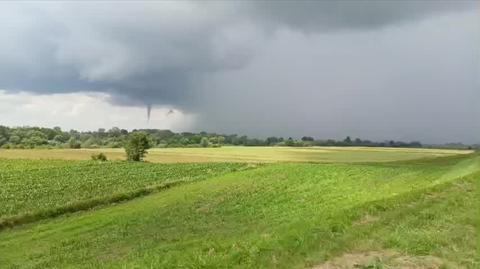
<point>380,70</point>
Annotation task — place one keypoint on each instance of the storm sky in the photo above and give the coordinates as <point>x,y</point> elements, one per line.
<point>403,70</point>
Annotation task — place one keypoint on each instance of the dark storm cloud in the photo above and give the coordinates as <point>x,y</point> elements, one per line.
<point>180,53</point>
<point>334,15</point>
<point>151,52</point>
<point>407,82</point>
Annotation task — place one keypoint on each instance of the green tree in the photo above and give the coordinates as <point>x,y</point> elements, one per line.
<point>73,143</point>
<point>204,142</point>
<point>220,140</point>
<point>307,138</point>
<point>212,140</point>
<point>114,132</point>
<point>3,140</point>
<point>136,146</point>
<point>271,140</point>
<point>289,142</point>
<point>91,142</point>
<point>59,139</point>
<point>15,139</point>
<point>36,138</point>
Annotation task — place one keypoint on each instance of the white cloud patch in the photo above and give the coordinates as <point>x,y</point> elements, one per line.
<point>85,111</point>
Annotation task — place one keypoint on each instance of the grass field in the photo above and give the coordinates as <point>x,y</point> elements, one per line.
<point>243,154</point>
<point>405,214</point>
<point>33,189</point>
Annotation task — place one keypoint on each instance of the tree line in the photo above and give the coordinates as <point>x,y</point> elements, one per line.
<point>39,137</point>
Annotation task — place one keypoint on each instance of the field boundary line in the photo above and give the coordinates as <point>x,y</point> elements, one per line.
<point>26,218</point>
<point>83,205</point>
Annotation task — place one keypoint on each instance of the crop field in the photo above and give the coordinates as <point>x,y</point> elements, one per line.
<point>391,208</point>
<point>36,188</point>
<point>243,154</point>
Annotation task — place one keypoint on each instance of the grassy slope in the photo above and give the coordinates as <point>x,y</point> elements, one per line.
<point>34,188</point>
<point>434,228</point>
<point>280,215</point>
<point>244,154</point>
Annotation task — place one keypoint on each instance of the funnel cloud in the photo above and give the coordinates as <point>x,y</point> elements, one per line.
<point>403,70</point>
<point>149,112</point>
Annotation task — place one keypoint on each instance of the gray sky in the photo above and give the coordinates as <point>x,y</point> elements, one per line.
<point>373,69</point>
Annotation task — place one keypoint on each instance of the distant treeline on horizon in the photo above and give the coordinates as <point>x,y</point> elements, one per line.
<point>40,137</point>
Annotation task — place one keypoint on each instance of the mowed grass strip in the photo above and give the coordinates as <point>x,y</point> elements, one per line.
<point>35,189</point>
<point>243,154</point>
<point>277,216</point>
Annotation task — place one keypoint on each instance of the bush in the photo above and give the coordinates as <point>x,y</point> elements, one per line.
<point>99,157</point>
<point>74,144</point>
<point>7,146</point>
<point>136,146</point>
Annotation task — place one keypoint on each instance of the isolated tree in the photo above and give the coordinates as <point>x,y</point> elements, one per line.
<point>136,146</point>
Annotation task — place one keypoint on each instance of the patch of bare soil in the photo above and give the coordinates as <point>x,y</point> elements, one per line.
<point>384,260</point>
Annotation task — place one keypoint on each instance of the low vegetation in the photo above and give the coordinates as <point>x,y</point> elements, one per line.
<point>282,215</point>
<point>99,157</point>
<point>31,190</point>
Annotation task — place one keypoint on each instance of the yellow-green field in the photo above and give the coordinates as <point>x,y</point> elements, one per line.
<point>417,214</point>
<point>240,207</point>
<point>242,154</point>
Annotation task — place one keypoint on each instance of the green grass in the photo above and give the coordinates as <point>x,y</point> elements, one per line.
<point>435,222</point>
<point>33,189</point>
<point>244,154</point>
<point>276,216</point>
